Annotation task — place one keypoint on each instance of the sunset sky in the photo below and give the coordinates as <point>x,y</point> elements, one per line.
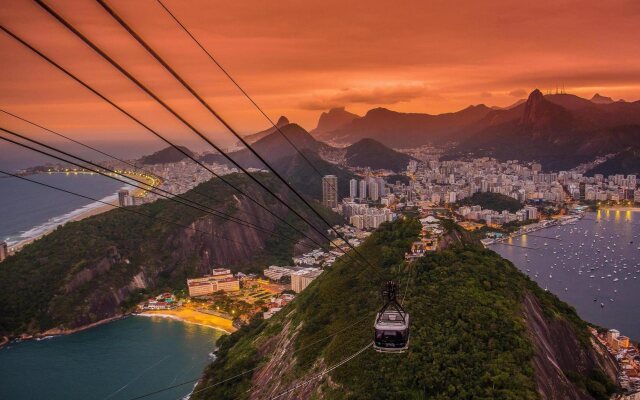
<point>299,58</point>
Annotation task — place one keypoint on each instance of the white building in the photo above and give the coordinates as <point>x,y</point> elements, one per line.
<point>276,273</point>
<point>374,193</point>
<point>301,279</point>
<point>363,189</point>
<point>353,188</point>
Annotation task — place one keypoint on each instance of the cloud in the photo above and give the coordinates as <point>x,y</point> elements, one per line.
<point>382,95</point>
<point>518,93</point>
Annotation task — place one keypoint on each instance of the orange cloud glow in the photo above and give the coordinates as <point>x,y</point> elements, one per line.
<point>297,58</point>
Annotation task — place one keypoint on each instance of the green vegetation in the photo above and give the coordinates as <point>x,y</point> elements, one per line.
<point>375,155</point>
<point>391,179</point>
<point>245,356</point>
<point>595,383</point>
<point>82,272</point>
<point>492,201</point>
<point>469,338</point>
<point>315,311</point>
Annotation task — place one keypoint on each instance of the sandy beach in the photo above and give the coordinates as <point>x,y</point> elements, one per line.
<point>86,214</point>
<point>190,316</point>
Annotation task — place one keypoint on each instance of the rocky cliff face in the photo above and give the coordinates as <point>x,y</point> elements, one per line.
<point>540,114</point>
<point>558,351</point>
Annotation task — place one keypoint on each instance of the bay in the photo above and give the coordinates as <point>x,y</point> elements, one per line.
<point>117,361</point>
<point>593,265</point>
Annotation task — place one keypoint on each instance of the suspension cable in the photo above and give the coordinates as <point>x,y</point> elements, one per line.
<point>218,383</point>
<point>165,194</point>
<point>128,209</point>
<point>143,87</point>
<point>148,128</point>
<point>324,372</point>
<point>86,146</point>
<point>224,217</point>
<point>240,88</point>
<point>153,53</point>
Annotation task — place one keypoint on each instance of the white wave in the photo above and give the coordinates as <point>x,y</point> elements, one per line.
<point>54,222</point>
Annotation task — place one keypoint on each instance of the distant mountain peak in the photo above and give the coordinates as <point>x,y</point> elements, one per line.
<point>379,110</point>
<point>335,118</point>
<point>252,138</point>
<point>598,99</point>
<point>541,113</point>
<point>536,95</point>
<point>282,121</point>
<point>368,152</point>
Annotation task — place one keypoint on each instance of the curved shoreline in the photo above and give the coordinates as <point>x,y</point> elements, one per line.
<point>5,340</point>
<point>179,316</point>
<point>59,332</point>
<point>102,205</point>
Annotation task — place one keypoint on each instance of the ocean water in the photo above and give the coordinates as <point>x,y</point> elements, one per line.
<point>593,265</point>
<point>116,361</point>
<point>27,209</point>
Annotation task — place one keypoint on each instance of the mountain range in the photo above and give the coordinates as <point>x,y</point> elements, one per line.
<point>275,148</point>
<point>559,130</point>
<point>400,130</point>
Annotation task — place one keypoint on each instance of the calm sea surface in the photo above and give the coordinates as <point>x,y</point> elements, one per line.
<point>594,265</point>
<point>27,209</point>
<point>116,361</point>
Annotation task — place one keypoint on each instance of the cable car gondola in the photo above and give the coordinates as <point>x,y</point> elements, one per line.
<point>391,324</point>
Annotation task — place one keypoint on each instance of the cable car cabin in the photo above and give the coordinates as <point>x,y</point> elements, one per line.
<point>391,327</point>
<point>391,332</point>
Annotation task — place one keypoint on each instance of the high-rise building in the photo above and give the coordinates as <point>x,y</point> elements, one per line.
<point>381,186</point>
<point>330,191</point>
<point>583,190</point>
<point>374,194</point>
<point>353,188</point>
<point>122,197</point>
<point>363,189</point>
<point>4,251</point>
<point>532,212</point>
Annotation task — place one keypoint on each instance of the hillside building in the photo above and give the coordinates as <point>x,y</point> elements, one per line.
<point>301,279</point>
<point>330,191</point>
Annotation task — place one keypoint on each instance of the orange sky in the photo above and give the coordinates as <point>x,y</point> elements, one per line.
<point>299,58</point>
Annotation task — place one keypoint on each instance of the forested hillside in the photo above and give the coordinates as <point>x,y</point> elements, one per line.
<point>478,328</point>
<point>92,269</point>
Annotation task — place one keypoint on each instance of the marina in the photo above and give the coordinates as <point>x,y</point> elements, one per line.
<point>594,266</point>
